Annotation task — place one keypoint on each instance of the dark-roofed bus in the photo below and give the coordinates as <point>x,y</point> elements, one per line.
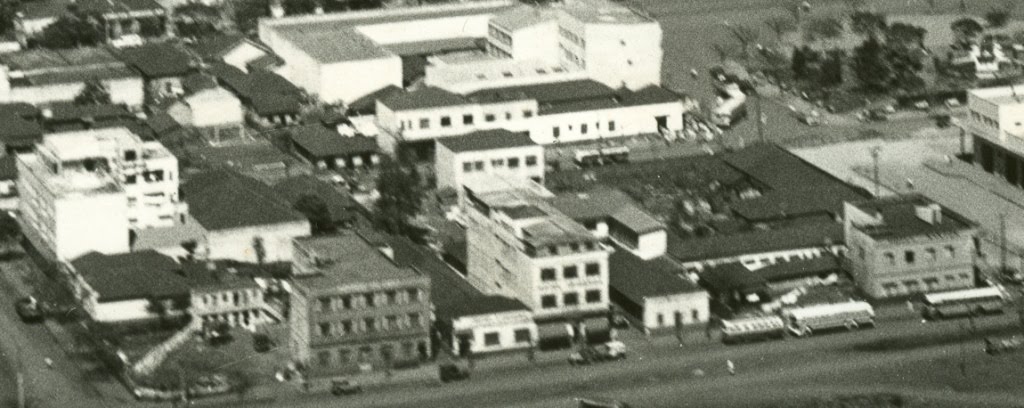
<point>804,321</point>
<point>753,329</point>
<point>968,302</point>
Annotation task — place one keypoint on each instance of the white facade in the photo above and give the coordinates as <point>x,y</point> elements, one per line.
<point>650,245</point>
<point>215,107</point>
<point>522,162</point>
<point>662,311</point>
<point>239,307</point>
<point>128,91</point>
<point>242,54</point>
<point>496,331</point>
<point>118,311</point>
<point>237,244</point>
<point>996,116</point>
<point>82,191</point>
<point>520,247</point>
<point>463,77</point>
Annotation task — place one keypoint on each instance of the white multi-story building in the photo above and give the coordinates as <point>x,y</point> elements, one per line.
<point>521,247</point>
<point>83,191</point>
<point>997,128</point>
<point>489,152</point>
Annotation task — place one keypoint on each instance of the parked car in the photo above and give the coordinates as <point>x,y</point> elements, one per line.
<point>29,310</point>
<point>600,403</point>
<point>452,372</point>
<point>999,345</point>
<point>612,350</point>
<point>209,385</point>
<point>262,343</point>
<point>345,386</point>
<point>877,115</point>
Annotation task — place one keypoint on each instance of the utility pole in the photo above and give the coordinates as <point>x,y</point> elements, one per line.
<point>20,378</point>
<point>1002,243</point>
<point>875,151</point>
<point>760,118</point>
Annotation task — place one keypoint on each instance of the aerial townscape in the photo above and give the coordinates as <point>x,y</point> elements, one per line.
<point>512,203</point>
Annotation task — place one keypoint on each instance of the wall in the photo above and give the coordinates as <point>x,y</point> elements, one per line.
<point>407,122</point>
<point>133,309</point>
<point>883,269</point>
<point>629,121</point>
<point>629,54</point>
<point>686,304</point>
<point>651,245</point>
<point>427,29</point>
<point>539,41</point>
<point>505,324</point>
<point>93,222</point>
<point>236,243</point>
<point>241,54</point>
<point>221,109</point>
<point>299,68</point>
<point>450,171</point>
<point>351,80</point>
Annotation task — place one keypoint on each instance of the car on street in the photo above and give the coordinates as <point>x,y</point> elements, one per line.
<point>1000,345</point>
<point>453,372</point>
<point>612,350</point>
<point>345,386</point>
<point>29,310</point>
<point>600,403</point>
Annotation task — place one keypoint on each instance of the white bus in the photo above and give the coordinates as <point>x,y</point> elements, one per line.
<point>597,157</point>
<point>851,315</point>
<point>753,328</point>
<point>966,302</point>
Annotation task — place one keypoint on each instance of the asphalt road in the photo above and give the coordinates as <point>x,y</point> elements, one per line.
<point>663,376</point>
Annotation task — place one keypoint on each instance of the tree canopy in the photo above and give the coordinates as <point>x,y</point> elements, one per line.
<point>871,67</point>
<point>905,35</point>
<point>780,25</point>
<point>401,196</point>
<point>94,93</point>
<point>966,28</point>
<point>315,209</point>
<point>72,30</point>
<point>8,11</point>
<point>824,28</point>
<point>997,17</point>
<point>866,23</point>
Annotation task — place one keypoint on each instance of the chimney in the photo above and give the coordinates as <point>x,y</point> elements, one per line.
<point>931,213</point>
<point>276,9</point>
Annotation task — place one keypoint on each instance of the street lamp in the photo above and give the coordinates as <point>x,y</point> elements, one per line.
<point>875,151</point>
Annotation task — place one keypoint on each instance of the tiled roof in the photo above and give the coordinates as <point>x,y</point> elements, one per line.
<point>197,82</point>
<point>70,111</point>
<point>342,45</point>
<point>638,279</point>
<point>224,199</point>
<point>452,295</point>
<point>802,235</point>
<point>731,277</point>
<point>8,168</point>
<point>17,131</point>
<point>367,104</point>
<point>159,60</point>
<point>265,92</point>
<point>21,109</point>
<point>487,140</point>
<point>320,141</point>
<point>135,275</point>
<point>423,98</point>
<point>215,47</point>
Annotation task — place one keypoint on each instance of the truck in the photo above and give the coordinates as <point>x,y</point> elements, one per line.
<point>804,321</point>
<point>966,302</point>
<point>752,329</point>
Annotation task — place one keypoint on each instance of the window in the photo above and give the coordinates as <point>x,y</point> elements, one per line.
<point>369,299</point>
<point>590,246</point>
<point>489,117</point>
<point>950,278</point>
<point>344,355</point>
<point>522,335</point>
<point>553,250</point>
<point>478,165</point>
<point>414,295</point>
<point>325,329</point>
<point>130,155</point>
<point>324,357</point>
<point>548,302</point>
<point>950,251</point>
<point>346,326</point>
<point>908,256</point>
<point>346,302</point>
<point>371,325</point>
<point>661,320</point>
<point>130,179</point>
<point>571,299</point>
<point>414,320</point>
<point>531,160</point>
<point>574,247</point>
<point>556,132</point>
<point>325,304</point>
<point>508,115</point>
<point>467,119</point>
<point>527,113</point>
<point>932,254</point>
<point>498,163</point>
<point>695,315</point>
<point>491,339</point>
<point>547,274</point>
<point>593,269</point>
<point>467,167</point>
<point>392,297</point>
<point>424,123</point>
<point>513,162</point>
<point>583,129</point>
<point>391,323</point>
<point>446,121</point>
<point>593,296</point>
<point>506,74</point>
<point>611,125</point>
<point>570,272</point>
<point>890,258</point>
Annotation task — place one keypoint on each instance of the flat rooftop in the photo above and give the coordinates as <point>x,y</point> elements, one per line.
<point>601,12</point>
<point>542,224</point>
<point>899,217</point>
<point>1003,95</point>
<point>349,260</point>
<point>486,140</point>
<point>106,142</point>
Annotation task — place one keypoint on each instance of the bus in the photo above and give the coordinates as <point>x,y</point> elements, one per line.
<point>731,109</point>
<point>752,329</point>
<point>597,157</point>
<point>804,321</point>
<point>967,302</point>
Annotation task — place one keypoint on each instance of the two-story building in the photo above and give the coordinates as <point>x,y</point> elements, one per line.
<point>908,244</point>
<point>218,294</point>
<point>353,309</point>
<point>83,191</point>
<point>997,129</point>
<point>522,247</point>
<point>488,152</point>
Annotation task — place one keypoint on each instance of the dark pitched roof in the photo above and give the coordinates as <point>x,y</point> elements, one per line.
<point>367,105</point>
<point>546,93</point>
<point>213,276</point>
<point>799,268</point>
<point>17,131</point>
<point>135,275</point>
<point>197,82</point>
<point>802,235</point>
<point>21,109</point>
<point>320,141</point>
<point>487,140</point>
<point>56,8</point>
<point>423,98</point>
<point>70,111</point>
<point>731,277</point>
<point>265,92</point>
<point>268,103</point>
<point>264,62</point>
<point>451,294</point>
<point>215,47</point>
<point>8,168</point>
<point>607,204</point>
<point>341,206</point>
<point>161,123</point>
<point>224,199</point>
<point>899,218</point>
<point>159,60</point>
<point>638,279</point>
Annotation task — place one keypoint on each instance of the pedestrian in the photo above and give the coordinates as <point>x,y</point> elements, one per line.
<point>49,362</point>
<point>693,73</point>
<point>731,367</point>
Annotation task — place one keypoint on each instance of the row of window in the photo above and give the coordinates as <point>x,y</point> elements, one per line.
<point>385,352</point>
<point>467,120</point>
<point>499,35</point>
<point>678,319</point>
<point>910,256</point>
<point>932,283</point>
<point>151,176</point>
<point>520,336</point>
<point>570,272</point>
<point>368,300</point>
<point>570,299</point>
<point>554,250</point>
<point>495,52</point>
<point>556,131</point>
<point>572,37</point>
<point>234,298</point>
<point>511,162</point>
<point>370,325</point>
<point>571,56</point>
<point>986,120</point>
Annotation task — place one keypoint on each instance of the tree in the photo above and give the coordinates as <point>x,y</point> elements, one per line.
<point>94,93</point>
<point>997,17</point>
<point>259,249</point>
<point>799,63</point>
<point>1018,37</point>
<point>870,65</point>
<point>315,209</point>
<point>745,35</point>
<point>855,5</point>
<point>248,12</point>
<point>824,28</point>
<point>401,196</point>
<point>905,35</point>
<point>780,25</point>
<point>8,12</point>
<point>966,29</point>
<point>866,23</point>
<point>831,71</point>
<point>295,7</point>
<point>72,30</point>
